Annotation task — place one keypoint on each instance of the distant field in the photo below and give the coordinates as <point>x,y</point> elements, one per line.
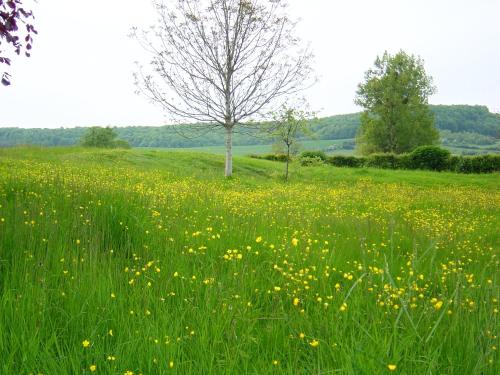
<point>264,149</point>
<point>495,149</point>
<point>316,145</point>
<point>150,262</point>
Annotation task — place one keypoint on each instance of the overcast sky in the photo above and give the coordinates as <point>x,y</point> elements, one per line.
<point>80,72</point>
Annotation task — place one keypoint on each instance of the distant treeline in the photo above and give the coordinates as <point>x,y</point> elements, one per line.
<point>459,124</point>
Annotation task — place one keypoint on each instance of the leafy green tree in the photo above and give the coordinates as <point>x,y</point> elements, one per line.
<point>288,125</point>
<point>102,138</point>
<point>397,117</point>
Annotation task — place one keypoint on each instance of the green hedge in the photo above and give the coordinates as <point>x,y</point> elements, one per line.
<point>313,154</point>
<point>272,157</point>
<point>310,161</point>
<point>430,158</point>
<point>478,164</point>
<point>425,158</point>
<point>346,161</point>
<point>384,161</point>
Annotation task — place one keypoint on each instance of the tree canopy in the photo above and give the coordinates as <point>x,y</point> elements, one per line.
<point>102,138</point>
<point>458,125</point>
<point>397,117</point>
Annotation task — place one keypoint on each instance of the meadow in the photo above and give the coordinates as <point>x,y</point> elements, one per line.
<point>150,262</point>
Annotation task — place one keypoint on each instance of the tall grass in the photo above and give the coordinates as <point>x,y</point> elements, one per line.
<point>148,262</point>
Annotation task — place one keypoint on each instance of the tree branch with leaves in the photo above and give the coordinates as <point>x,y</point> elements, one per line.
<point>12,16</point>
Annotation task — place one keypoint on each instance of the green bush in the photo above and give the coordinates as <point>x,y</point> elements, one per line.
<point>454,163</point>
<point>426,158</point>
<point>314,154</point>
<point>430,158</point>
<point>404,161</point>
<point>384,161</point>
<point>346,161</point>
<point>308,161</point>
<point>272,157</point>
<point>478,164</point>
<point>102,138</point>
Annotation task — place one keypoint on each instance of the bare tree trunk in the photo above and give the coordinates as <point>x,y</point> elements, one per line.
<point>287,162</point>
<point>229,151</point>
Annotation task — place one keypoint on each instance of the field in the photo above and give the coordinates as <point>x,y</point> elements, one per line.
<point>319,144</point>
<point>150,262</point>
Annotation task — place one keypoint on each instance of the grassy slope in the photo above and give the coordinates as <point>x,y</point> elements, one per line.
<point>80,224</point>
<point>208,165</point>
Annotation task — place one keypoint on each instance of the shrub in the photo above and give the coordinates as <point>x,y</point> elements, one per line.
<point>102,138</point>
<point>272,157</point>
<point>346,161</point>
<point>430,157</point>
<point>465,165</point>
<point>404,161</point>
<point>308,161</point>
<point>479,164</point>
<point>454,163</point>
<point>426,157</point>
<point>314,154</point>
<point>385,161</point>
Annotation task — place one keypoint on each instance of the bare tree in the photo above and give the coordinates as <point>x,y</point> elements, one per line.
<point>222,62</point>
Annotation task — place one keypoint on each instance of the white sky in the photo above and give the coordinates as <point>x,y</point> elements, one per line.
<point>80,72</point>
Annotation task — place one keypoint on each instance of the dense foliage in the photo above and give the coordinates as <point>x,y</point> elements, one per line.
<point>477,121</point>
<point>102,138</point>
<point>272,157</point>
<point>424,158</point>
<point>430,157</point>
<point>314,154</point>
<point>346,161</point>
<point>395,95</point>
<point>466,118</point>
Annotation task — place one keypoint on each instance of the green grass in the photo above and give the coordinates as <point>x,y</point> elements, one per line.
<point>242,275</point>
